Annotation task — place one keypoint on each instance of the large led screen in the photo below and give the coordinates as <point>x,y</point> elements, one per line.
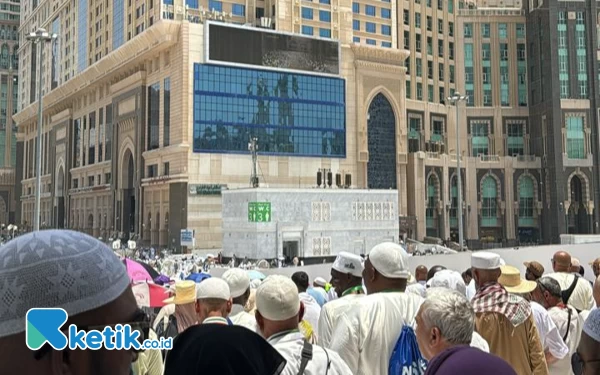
<point>257,47</point>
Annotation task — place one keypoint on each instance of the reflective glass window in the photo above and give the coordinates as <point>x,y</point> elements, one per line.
<point>289,113</point>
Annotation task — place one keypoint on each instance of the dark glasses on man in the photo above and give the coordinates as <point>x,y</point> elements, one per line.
<point>139,322</point>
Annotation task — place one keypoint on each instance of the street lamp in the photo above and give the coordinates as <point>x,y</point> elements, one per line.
<point>455,99</point>
<point>41,37</point>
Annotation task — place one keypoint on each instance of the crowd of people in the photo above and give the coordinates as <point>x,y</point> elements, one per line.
<point>374,316</point>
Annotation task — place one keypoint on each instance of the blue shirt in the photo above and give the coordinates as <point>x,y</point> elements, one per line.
<point>317,296</point>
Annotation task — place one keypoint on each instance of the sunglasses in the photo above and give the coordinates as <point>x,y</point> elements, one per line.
<point>578,364</point>
<point>140,322</point>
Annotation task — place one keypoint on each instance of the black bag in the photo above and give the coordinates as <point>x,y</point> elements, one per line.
<point>566,294</point>
<point>170,331</point>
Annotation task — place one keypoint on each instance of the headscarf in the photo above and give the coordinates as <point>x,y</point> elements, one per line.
<point>493,298</point>
<point>186,316</point>
<point>212,349</point>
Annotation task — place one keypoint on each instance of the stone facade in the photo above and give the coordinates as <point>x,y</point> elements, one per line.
<point>308,222</point>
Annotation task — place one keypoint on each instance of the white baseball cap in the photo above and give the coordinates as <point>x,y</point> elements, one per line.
<point>390,260</point>
<point>484,260</point>
<point>348,263</point>
<point>277,298</point>
<point>213,288</point>
<point>238,281</point>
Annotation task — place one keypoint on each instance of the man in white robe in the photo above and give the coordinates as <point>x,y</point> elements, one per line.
<point>366,335</point>
<point>346,278</point>
<point>312,310</point>
<point>453,280</point>
<point>581,298</point>
<point>239,286</point>
<point>566,319</point>
<point>278,312</point>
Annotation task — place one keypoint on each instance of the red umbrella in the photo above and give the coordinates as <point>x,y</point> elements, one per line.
<point>150,295</point>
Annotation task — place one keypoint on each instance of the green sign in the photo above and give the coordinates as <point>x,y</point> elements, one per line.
<point>259,212</point>
<point>206,189</point>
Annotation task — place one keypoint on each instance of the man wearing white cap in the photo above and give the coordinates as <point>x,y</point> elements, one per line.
<point>278,313</point>
<point>321,286</point>
<point>239,286</point>
<point>453,280</point>
<point>366,334</point>
<point>71,271</point>
<point>346,278</point>
<point>213,301</point>
<point>505,320</point>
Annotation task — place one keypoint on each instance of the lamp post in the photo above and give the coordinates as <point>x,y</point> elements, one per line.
<point>455,99</point>
<point>41,37</point>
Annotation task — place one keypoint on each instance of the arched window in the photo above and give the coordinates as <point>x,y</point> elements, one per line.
<point>431,198</point>
<point>489,207</point>
<point>526,202</point>
<point>381,135</point>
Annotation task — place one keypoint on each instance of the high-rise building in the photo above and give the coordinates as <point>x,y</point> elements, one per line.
<point>9,65</point>
<point>562,40</point>
<point>150,105</point>
<point>149,108</point>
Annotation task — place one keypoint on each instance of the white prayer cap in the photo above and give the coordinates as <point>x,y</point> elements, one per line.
<point>277,298</point>
<point>485,261</point>
<point>56,269</point>
<point>213,288</point>
<point>448,279</point>
<point>238,281</point>
<point>575,263</point>
<point>320,281</point>
<point>348,263</point>
<point>592,325</point>
<point>390,260</point>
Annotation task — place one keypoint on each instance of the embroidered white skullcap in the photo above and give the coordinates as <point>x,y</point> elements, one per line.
<point>592,325</point>
<point>56,269</point>
<point>238,281</point>
<point>390,260</point>
<point>213,288</point>
<point>320,281</point>
<point>348,263</point>
<point>277,298</point>
<point>448,279</point>
<point>484,260</point>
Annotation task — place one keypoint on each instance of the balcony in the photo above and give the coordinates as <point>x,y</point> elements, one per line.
<point>489,158</point>
<point>7,176</point>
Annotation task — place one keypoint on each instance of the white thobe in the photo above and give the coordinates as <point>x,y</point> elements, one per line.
<point>549,336</point>
<point>312,310</point>
<point>366,335</point>
<point>240,317</point>
<point>417,288</point>
<point>332,295</point>
<point>479,342</point>
<point>471,290</point>
<point>560,317</point>
<point>324,361</point>
<point>584,314</point>
<point>582,297</point>
<point>330,314</point>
